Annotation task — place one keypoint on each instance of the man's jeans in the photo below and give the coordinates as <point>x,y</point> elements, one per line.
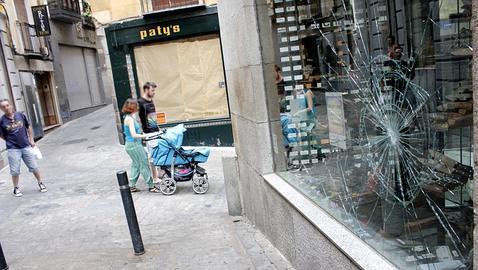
<point>15,157</point>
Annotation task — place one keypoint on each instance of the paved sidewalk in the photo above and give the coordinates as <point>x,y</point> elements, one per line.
<point>80,222</point>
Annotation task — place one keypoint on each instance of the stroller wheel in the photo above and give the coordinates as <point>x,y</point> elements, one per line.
<point>200,184</point>
<point>167,186</point>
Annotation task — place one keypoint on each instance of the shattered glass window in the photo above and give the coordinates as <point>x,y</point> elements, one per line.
<point>376,113</point>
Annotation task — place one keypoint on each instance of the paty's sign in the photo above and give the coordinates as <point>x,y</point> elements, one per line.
<point>160,30</point>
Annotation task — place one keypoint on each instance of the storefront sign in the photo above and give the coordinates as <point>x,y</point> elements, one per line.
<point>157,29</point>
<point>160,31</point>
<point>42,23</point>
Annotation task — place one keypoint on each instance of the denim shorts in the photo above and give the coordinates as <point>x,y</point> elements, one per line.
<point>15,157</point>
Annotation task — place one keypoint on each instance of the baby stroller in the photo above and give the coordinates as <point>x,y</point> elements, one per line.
<point>179,165</point>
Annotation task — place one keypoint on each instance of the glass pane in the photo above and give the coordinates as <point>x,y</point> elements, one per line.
<point>376,113</point>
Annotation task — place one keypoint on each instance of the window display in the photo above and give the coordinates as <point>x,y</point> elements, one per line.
<point>376,113</point>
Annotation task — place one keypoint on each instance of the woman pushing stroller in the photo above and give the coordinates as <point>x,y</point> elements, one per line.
<point>134,147</point>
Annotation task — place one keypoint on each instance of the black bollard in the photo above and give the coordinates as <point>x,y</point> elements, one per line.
<point>3,262</point>
<point>130,213</point>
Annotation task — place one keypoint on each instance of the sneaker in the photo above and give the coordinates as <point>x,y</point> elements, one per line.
<point>42,187</point>
<point>17,192</point>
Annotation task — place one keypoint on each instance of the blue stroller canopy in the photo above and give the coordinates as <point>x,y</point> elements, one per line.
<point>170,143</point>
<point>174,136</point>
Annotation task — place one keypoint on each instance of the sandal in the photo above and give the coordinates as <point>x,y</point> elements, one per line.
<point>154,190</point>
<point>133,189</point>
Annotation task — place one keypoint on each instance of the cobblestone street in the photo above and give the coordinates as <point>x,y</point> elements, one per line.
<point>80,222</point>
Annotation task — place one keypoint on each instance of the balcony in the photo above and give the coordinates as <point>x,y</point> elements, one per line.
<point>67,11</point>
<point>87,19</point>
<point>33,46</point>
<point>88,22</point>
<point>155,6</point>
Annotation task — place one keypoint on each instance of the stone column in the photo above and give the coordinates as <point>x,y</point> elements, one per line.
<point>249,63</point>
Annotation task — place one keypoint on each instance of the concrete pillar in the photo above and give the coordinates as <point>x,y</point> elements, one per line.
<point>246,37</point>
<point>249,62</point>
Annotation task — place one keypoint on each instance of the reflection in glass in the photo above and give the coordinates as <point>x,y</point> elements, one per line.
<point>376,113</point>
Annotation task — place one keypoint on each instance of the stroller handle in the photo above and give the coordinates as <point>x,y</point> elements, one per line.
<point>152,138</point>
<point>154,135</point>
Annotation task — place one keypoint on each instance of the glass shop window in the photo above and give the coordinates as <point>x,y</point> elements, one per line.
<point>376,112</point>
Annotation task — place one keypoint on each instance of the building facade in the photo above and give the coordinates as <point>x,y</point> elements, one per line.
<point>26,61</point>
<point>54,78</point>
<point>78,59</point>
<point>175,44</point>
<point>26,69</point>
<point>354,129</point>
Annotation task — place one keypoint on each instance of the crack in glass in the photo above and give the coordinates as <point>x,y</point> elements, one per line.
<point>398,170</point>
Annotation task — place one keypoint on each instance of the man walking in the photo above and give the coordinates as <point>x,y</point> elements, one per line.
<point>18,135</point>
<point>147,114</point>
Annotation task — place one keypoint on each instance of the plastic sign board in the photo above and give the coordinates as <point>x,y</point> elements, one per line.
<point>161,118</point>
<point>42,23</point>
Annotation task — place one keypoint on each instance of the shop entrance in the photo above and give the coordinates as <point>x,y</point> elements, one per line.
<point>47,100</point>
<point>83,84</point>
<point>190,76</point>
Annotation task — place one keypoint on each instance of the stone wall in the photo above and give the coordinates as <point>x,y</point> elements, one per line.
<point>250,76</point>
<point>249,63</point>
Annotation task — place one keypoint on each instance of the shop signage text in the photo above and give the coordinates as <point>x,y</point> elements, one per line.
<point>160,31</point>
<point>40,17</point>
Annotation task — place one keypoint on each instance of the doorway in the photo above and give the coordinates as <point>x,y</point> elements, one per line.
<point>47,100</point>
<point>83,84</point>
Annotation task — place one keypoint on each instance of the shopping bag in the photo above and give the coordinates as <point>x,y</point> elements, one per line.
<point>37,153</point>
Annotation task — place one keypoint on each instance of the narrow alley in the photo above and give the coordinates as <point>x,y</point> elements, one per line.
<point>80,223</point>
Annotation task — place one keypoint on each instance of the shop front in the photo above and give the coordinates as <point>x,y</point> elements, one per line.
<point>181,52</point>
<point>373,126</point>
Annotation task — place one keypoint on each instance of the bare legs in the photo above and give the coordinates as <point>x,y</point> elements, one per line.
<point>155,171</point>
<point>37,175</point>
<point>16,178</point>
